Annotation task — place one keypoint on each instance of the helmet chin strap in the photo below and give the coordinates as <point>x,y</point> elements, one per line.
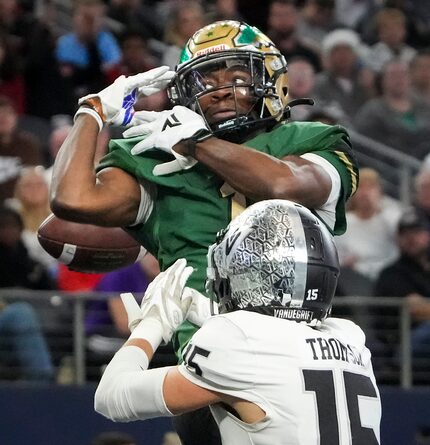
<point>239,129</point>
<point>243,127</point>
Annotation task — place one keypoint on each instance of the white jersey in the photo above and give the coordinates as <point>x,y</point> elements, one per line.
<point>316,386</point>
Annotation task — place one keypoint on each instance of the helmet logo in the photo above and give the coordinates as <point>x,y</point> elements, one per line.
<point>230,241</point>
<point>211,49</point>
<point>284,288</point>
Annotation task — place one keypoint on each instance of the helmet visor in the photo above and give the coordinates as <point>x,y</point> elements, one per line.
<point>243,72</point>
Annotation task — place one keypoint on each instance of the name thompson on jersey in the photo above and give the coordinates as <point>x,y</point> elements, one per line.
<point>333,349</point>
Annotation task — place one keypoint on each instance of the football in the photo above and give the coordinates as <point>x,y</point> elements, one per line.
<point>88,248</point>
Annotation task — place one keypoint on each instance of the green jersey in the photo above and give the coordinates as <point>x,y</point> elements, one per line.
<point>191,206</point>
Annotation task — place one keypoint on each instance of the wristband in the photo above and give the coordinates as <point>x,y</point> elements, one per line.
<point>191,142</point>
<point>91,112</point>
<point>149,329</point>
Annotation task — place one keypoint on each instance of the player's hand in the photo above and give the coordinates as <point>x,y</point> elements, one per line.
<point>115,104</point>
<point>200,307</point>
<point>163,130</point>
<point>162,300</point>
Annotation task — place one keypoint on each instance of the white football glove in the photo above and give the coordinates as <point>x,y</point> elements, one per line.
<point>115,103</point>
<point>200,308</point>
<point>162,300</point>
<point>165,129</point>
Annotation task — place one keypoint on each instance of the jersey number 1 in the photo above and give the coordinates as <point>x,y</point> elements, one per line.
<point>321,382</point>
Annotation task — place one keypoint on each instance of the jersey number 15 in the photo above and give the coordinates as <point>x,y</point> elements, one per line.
<point>321,382</point>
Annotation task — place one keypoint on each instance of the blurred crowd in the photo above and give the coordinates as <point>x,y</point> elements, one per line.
<point>366,63</point>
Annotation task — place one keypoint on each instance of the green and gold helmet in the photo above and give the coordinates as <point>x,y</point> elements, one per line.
<point>226,45</point>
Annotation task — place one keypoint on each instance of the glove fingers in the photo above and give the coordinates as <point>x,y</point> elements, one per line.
<point>142,79</point>
<point>142,130</point>
<point>166,168</point>
<point>163,80</point>
<point>144,145</point>
<point>148,91</point>
<point>147,116</point>
<point>160,280</point>
<point>179,274</point>
<point>182,274</point>
<point>141,121</point>
<point>132,308</point>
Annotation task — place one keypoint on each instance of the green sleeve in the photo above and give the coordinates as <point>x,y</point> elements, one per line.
<point>331,142</point>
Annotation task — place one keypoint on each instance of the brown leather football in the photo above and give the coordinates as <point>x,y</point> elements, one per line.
<point>88,248</point>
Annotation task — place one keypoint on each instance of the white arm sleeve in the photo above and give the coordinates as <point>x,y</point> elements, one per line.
<point>327,212</point>
<point>128,390</point>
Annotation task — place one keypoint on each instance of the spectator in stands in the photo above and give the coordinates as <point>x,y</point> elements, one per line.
<point>409,277</point>
<point>282,23</point>
<point>32,42</point>
<point>17,268</point>
<point>420,75</point>
<point>31,201</point>
<point>21,338</point>
<point>56,139</point>
<point>317,19</point>
<point>41,69</point>
<point>136,16</point>
<point>12,83</point>
<point>324,115</point>
<point>225,10</point>
<point>61,129</point>
<point>106,321</point>
<point>344,84</point>
<point>185,18</point>
<point>109,317</point>
<point>369,244</point>
<point>355,14</point>
<point>422,193</point>
<point>16,24</point>
<point>396,118</point>
<point>418,17</point>
<point>17,149</point>
<point>392,33</point>
<point>90,54</point>
<point>301,82</point>
<point>72,281</point>
<point>22,344</point>
<point>113,438</point>
<point>137,58</point>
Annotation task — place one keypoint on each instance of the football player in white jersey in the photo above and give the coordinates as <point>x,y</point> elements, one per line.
<point>273,366</point>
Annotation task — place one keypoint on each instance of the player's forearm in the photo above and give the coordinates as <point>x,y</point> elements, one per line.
<point>74,177</point>
<point>128,390</point>
<point>111,198</point>
<point>260,176</point>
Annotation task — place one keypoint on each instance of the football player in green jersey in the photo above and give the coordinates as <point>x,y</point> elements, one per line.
<point>181,175</point>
